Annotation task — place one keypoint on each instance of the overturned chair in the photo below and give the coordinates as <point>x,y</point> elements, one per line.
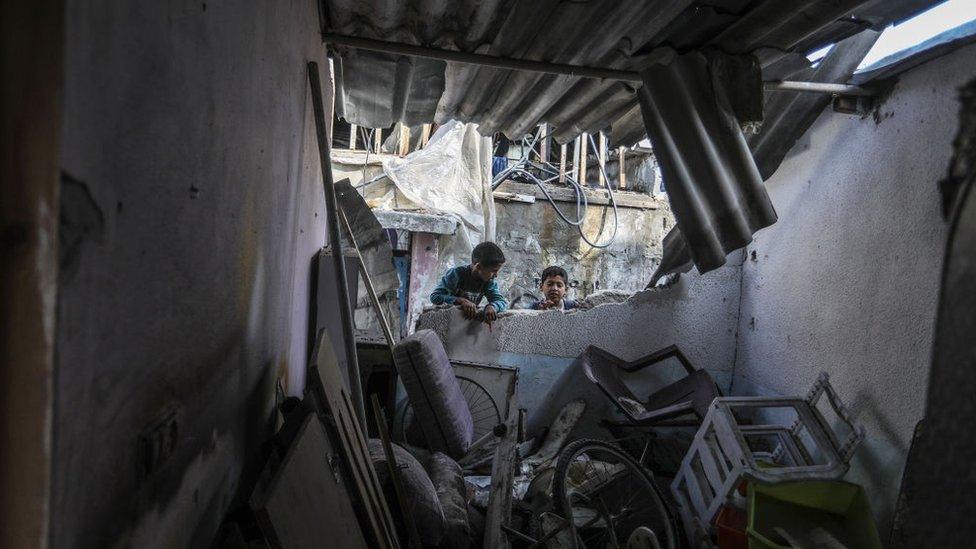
<point>681,403</point>
<point>598,378</point>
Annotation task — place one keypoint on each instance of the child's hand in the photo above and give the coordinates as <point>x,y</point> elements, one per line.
<point>490,314</point>
<point>469,309</point>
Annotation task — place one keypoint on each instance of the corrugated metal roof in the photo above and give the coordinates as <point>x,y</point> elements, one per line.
<point>379,89</point>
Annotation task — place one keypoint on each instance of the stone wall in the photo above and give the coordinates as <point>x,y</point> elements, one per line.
<point>534,237</point>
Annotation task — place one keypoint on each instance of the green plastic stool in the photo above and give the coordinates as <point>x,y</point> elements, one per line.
<point>810,512</point>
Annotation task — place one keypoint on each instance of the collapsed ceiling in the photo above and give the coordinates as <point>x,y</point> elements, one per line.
<point>377,89</point>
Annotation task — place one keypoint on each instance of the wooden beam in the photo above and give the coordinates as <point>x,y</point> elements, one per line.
<point>584,149</point>
<point>621,151</point>
<point>404,145</point>
<point>424,135</point>
<point>562,163</point>
<point>602,160</point>
<point>499,511</point>
<point>32,41</point>
<point>576,153</point>
<point>352,137</point>
<point>544,145</point>
<point>594,196</point>
<point>377,140</point>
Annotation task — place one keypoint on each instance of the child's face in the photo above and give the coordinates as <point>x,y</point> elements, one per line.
<point>554,288</point>
<point>486,273</point>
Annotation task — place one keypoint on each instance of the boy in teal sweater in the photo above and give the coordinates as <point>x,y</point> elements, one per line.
<point>466,285</point>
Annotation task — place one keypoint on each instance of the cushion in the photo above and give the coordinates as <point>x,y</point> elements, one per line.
<point>448,480</point>
<point>438,404</point>
<point>425,507</point>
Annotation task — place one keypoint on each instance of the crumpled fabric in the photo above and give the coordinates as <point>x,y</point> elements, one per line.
<point>451,175</point>
<point>425,507</point>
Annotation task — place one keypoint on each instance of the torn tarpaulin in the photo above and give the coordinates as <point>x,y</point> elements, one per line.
<point>715,189</point>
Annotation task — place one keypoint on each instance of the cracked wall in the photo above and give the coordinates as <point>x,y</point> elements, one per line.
<point>698,313</point>
<point>534,237</point>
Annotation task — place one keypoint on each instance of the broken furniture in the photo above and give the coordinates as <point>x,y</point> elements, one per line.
<point>786,440</point>
<point>488,390</point>
<point>303,500</point>
<point>831,514</point>
<point>435,393</point>
<point>331,396</point>
<point>597,376</point>
<point>453,405</point>
<point>682,403</point>
<point>446,421</point>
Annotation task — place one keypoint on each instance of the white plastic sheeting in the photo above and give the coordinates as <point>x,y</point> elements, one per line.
<point>451,175</point>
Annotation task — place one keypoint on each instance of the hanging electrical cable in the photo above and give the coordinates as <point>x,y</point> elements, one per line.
<point>581,201</point>
<point>613,202</point>
<point>369,146</point>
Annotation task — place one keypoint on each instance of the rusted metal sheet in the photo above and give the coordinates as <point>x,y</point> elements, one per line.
<point>379,89</point>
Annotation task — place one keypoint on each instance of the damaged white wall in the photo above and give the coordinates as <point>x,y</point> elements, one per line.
<point>698,313</point>
<point>847,281</point>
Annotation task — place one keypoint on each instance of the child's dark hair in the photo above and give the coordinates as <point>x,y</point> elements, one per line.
<point>488,254</point>
<point>550,272</point>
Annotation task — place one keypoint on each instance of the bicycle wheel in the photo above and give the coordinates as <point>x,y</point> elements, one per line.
<point>607,495</point>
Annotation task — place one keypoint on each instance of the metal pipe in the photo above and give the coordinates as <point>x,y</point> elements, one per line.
<point>479,59</point>
<point>368,282</point>
<point>332,223</point>
<point>373,44</point>
<point>817,87</point>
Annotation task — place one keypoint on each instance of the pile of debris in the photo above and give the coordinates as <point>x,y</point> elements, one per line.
<point>460,465</point>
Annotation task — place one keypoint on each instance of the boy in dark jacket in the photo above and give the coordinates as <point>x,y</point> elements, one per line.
<point>466,285</point>
<point>554,285</point>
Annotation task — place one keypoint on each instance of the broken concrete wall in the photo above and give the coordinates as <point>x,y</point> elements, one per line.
<point>847,280</point>
<point>189,127</point>
<point>697,313</point>
<point>534,237</point>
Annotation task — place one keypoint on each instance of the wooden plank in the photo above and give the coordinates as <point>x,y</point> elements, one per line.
<point>393,469</point>
<point>624,199</point>
<point>584,149</point>
<point>562,163</point>
<point>576,152</point>
<point>424,135</point>
<point>513,197</point>
<point>404,144</point>
<point>502,477</point>
<point>602,159</point>
<point>621,152</point>
<point>33,49</point>
<point>352,137</point>
<point>325,382</point>
<point>302,500</point>
<point>377,140</point>
<point>544,145</point>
